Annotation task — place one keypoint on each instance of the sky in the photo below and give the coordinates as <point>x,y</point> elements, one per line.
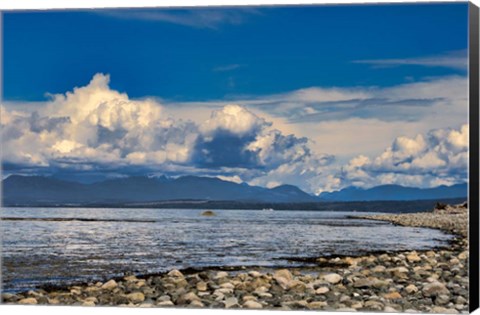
<point>322,97</point>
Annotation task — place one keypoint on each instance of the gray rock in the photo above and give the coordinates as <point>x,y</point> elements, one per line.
<point>231,302</point>
<point>435,288</point>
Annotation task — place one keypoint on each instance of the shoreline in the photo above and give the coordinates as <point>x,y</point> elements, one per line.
<point>434,280</point>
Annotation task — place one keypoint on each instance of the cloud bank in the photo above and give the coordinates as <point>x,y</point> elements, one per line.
<point>438,158</point>
<point>97,130</point>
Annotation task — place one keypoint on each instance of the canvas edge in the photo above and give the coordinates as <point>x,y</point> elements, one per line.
<point>473,201</point>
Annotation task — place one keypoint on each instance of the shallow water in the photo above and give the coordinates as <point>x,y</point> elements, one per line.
<point>110,242</point>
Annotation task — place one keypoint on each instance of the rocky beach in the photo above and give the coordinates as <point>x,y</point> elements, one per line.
<point>409,281</point>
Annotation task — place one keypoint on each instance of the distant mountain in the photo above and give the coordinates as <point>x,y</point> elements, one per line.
<point>38,190</point>
<point>396,192</point>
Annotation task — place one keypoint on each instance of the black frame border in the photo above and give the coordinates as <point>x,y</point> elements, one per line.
<point>473,198</point>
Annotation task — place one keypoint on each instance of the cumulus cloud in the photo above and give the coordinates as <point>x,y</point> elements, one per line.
<point>95,125</point>
<point>94,128</point>
<point>439,157</point>
<point>234,137</point>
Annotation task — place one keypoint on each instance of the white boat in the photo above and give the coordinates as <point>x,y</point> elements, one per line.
<point>267,209</point>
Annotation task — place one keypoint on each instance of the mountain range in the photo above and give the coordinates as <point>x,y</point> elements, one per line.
<point>40,190</point>
<point>396,192</point>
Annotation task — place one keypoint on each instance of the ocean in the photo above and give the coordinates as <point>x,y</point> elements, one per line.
<point>60,246</point>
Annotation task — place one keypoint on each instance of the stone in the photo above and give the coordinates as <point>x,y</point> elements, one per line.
<point>91,299</point>
<point>196,303</point>
<point>130,278</point>
<point>282,282</point>
<point>398,270</point>
<point>190,296</point>
<point>136,297</point>
<point>332,278</point>
<point>109,285</point>
<point>389,309</point>
<point>249,298</point>
<point>8,296</point>
<point>345,309</point>
<point>374,305</point>
<point>435,288</point>
<point>252,304</point>
<point>220,275</point>
<point>322,290</point>
<point>413,257</point>
<point>357,305</point>
<point>75,292</point>
<point>411,288</point>
<point>442,299</point>
<point>88,303</point>
<point>454,261</point>
<point>231,302</point>
<point>463,255</point>
<point>165,303</point>
<point>460,300</point>
<point>284,274</point>
<point>201,286</point>
<point>392,296</point>
<point>227,285</point>
<point>254,274</point>
<point>297,304</point>
<point>296,285</point>
<point>28,301</point>
<point>175,273</point>
<point>379,269</point>
<point>363,283</point>
<point>317,304</point>
<point>443,310</point>
<point>344,298</point>
<point>163,298</point>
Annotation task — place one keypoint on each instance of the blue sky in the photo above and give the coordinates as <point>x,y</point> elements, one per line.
<point>260,50</point>
<point>322,86</point>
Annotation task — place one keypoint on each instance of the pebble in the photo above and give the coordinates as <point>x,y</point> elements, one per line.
<point>136,297</point>
<point>175,273</point>
<point>322,290</point>
<point>109,285</point>
<point>252,304</point>
<point>201,286</point>
<point>28,301</point>
<point>392,296</point>
<point>411,288</point>
<point>332,278</point>
<point>231,302</point>
<point>220,275</point>
<point>196,303</point>
<point>435,288</point>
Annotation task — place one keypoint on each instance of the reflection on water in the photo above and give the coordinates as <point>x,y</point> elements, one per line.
<point>109,242</point>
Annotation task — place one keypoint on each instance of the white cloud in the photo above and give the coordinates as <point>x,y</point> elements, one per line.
<point>310,138</point>
<point>439,157</point>
<point>197,18</point>
<point>454,59</point>
<point>95,124</point>
<point>95,128</point>
<point>235,119</point>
